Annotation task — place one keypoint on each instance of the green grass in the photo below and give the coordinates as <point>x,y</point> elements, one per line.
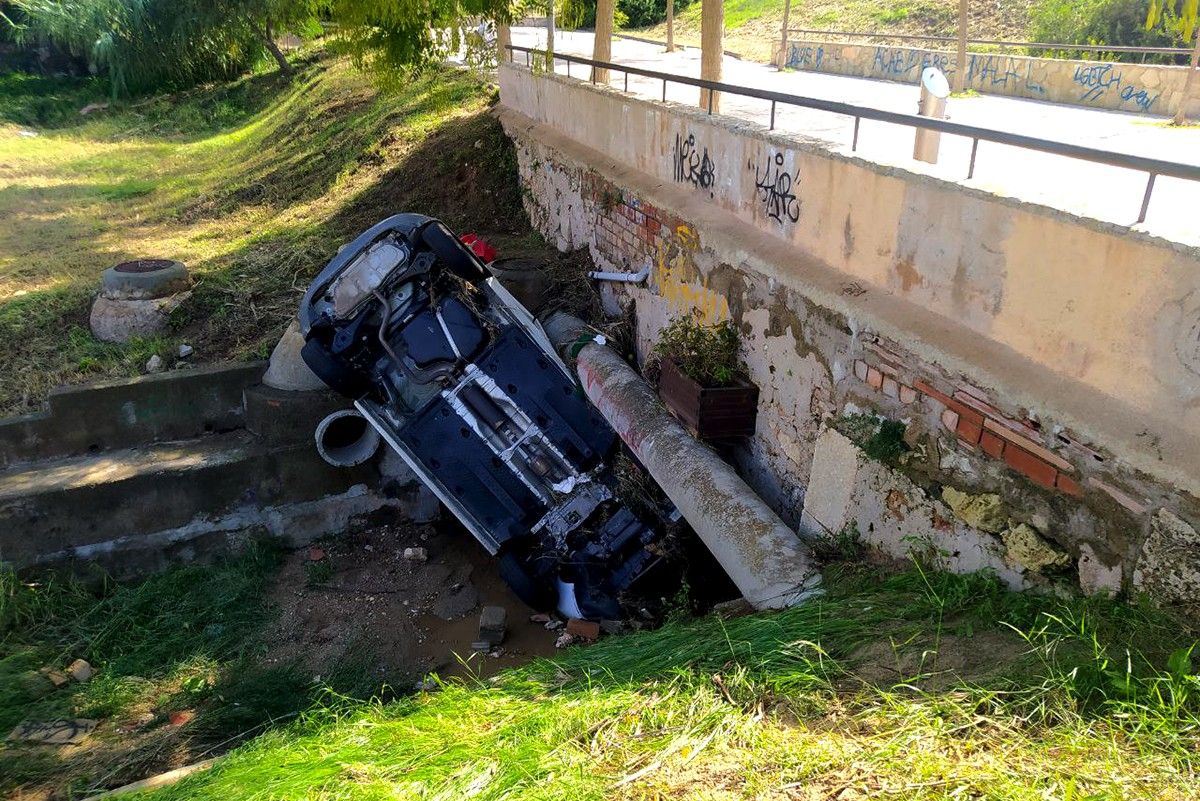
<point>181,640</point>
<point>252,184</point>
<point>773,706</point>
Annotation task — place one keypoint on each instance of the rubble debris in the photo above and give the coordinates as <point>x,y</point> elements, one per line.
<point>1025,548</point>
<point>63,731</point>
<point>180,717</point>
<point>80,670</point>
<point>493,624</point>
<point>985,512</point>
<point>416,554</point>
<point>185,351</point>
<point>728,610</point>
<point>154,364</point>
<point>540,617</point>
<point>584,629</point>
<point>553,624</point>
<point>565,639</point>
<point>56,677</point>
<point>612,626</point>
<point>316,554</point>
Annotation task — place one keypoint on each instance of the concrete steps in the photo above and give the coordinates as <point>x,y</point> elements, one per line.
<point>112,490</point>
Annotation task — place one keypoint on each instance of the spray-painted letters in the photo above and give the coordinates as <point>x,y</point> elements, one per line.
<point>692,164</point>
<point>774,186</point>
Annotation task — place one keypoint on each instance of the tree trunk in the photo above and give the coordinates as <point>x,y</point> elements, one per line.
<point>602,42</point>
<point>1189,84</point>
<point>503,40</point>
<point>960,63</point>
<point>712,49</point>
<point>268,37</point>
<point>787,13</point>
<point>550,28</point>
<point>670,26</point>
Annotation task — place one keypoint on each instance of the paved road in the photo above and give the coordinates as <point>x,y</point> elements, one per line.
<point>1102,192</point>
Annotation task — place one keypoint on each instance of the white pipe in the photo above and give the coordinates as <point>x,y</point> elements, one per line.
<point>624,278</point>
<point>346,439</point>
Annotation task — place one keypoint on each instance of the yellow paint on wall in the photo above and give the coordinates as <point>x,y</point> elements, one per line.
<point>685,297</point>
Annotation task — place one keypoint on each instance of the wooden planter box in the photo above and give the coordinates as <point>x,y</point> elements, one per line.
<point>710,412</point>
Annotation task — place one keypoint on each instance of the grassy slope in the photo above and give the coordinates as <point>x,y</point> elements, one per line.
<point>752,26</point>
<point>773,706</point>
<point>253,185</point>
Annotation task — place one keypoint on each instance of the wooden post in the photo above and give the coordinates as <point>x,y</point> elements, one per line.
<point>787,12</point>
<point>602,41</point>
<point>712,49</point>
<point>1189,83</point>
<point>960,64</point>
<point>670,26</point>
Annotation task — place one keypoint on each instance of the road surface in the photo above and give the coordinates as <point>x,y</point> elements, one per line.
<point>1099,191</point>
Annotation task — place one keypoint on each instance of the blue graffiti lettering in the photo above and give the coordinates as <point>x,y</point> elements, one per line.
<point>991,71</point>
<point>805,56</point>
<point>1097,79</point>
<point>894,62</point>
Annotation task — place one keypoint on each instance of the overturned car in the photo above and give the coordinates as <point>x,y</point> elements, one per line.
<point>462,382</point>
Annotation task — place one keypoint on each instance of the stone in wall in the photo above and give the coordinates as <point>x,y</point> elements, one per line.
<point>1025,549</point>
<point>1169,567</point>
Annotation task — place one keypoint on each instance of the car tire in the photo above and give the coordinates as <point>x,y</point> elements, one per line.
<point>453,254</point>
<point>143,279</point>
<point>535,591</point>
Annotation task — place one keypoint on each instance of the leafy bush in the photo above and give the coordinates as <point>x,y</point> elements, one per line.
<point>1098,22</point>
<point>708,354</point>
<point>574,14</point>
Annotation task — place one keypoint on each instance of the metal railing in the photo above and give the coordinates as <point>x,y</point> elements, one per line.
<point>906,37</point>
<point>1154,167</point>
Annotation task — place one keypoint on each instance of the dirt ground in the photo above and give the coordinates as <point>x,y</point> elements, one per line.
<point>362,603</point>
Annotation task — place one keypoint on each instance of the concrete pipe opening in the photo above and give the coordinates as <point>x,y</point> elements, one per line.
<point>346,439</point>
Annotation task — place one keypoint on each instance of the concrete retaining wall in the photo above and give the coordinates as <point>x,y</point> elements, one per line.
<point>1044,359</point>
<point>1142,88</point>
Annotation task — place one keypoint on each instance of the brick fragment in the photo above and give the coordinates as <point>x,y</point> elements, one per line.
<point>907,394</point>
<point>585,629</point>
<point>860,369</point>
<point>891,387</point>
<point>1068,485</point>
<point>1029,445</point>
<point>926,389</point>
<point>874,378</point>
<point>1033,468</point>
<point>950,419</point>
<point>968,430</point>
<point>992,445</point>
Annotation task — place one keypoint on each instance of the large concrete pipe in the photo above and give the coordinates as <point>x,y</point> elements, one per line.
<point>346,439</point>
<point>766,560</point>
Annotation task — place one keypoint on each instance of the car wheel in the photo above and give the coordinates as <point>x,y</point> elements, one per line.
<point>537,592</point>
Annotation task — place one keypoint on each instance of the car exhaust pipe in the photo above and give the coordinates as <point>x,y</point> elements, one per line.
<point>346,439</point>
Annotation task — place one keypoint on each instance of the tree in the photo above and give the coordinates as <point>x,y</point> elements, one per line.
<point>1183,16</point>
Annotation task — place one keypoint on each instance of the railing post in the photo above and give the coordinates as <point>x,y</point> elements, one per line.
<point>627,80</point>
<point>1146,198</point>
<point>772,115</point>
<point>974,152</point>
<point>664,90</point>
<point>854,143</point>
<point>787,11</point>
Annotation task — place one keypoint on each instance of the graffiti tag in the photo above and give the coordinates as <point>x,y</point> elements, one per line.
<point>1097,79</point>
<point>692,165</point>
<point>53,732</point>
<point>805,56</point>
<point>774,186</point>
<point>892,62</point>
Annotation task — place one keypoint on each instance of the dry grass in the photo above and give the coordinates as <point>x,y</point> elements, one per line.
<point>252,185</point>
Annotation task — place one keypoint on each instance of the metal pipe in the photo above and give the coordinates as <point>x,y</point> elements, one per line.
<point>765,559</point>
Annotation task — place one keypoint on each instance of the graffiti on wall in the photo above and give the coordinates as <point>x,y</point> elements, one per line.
<point>774,186</point>
<point>1098,80</point>
<point>805,56</point>
<point>692,164</point>
<point>1001,73</point>
<point>897,62</point>
<point>673,270</point>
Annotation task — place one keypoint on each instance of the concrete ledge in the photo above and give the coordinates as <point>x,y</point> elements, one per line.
<point>125,413</point>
